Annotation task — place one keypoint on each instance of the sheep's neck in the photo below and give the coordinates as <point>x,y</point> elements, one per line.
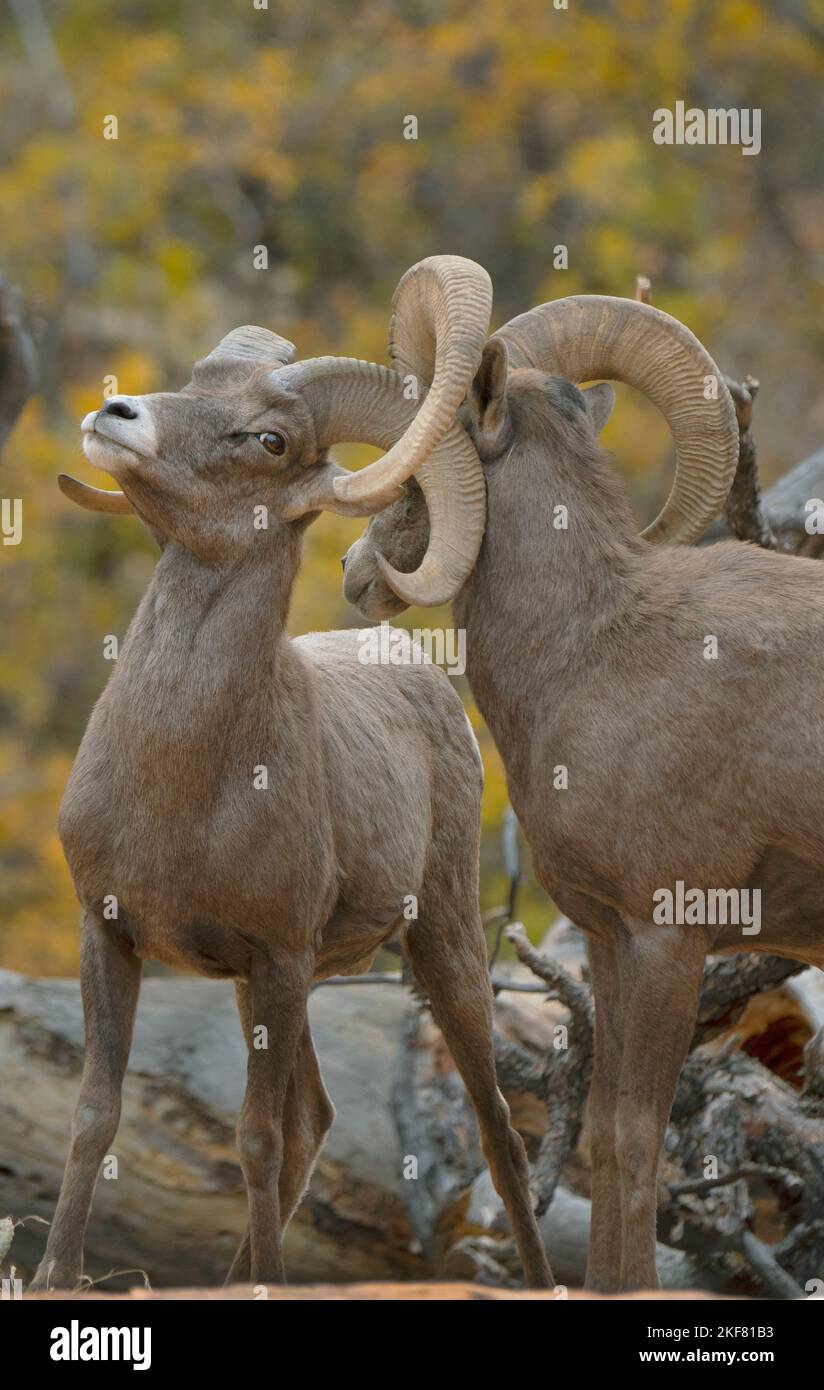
<point>205,647</point>
<point>202,707</point>
<point>540,599</point>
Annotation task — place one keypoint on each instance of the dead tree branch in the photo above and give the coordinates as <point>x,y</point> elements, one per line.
<point>18,360</point>
<point>743,509</point>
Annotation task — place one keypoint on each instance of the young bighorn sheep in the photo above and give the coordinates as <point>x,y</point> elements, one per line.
<point>260,808</point>
<point>634,762</point>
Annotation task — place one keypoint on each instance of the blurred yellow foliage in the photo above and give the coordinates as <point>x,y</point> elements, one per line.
<point>286,129</point>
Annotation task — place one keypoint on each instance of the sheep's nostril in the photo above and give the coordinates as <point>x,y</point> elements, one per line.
<point>121,408</point>
<point>343,563</point>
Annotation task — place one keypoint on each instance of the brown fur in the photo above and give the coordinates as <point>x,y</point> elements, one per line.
<point>373,794</point>
<point>585,648</point>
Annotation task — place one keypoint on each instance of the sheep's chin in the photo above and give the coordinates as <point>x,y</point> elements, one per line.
<point>377,602</point>
<point>103,453</point>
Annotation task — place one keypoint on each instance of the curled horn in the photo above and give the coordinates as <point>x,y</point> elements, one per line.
<point>245,345</point>
<point>441,309</point>
<point>440,321</point>
<point>586,337</point>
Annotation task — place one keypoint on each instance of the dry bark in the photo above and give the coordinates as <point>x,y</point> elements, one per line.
<point>177,1208</point>
<point>782,511</point>
<point>743,510</point>
<point>754,1229</point>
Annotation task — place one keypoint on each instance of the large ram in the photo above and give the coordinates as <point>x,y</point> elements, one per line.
<point>658,707</point>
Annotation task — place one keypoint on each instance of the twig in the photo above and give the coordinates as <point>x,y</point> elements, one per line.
<point>775,1279</point>
<point>562,1080</point>
<point>88,1283</point>
<point>575,995</point>
<point>370,977</point>
<point>512,864</point>
<point>394,977</point>
<point>643,289</point>
<point>790,1182</point>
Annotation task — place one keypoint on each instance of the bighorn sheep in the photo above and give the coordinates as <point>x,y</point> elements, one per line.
<point>658,707</point>
<point>260,808</point>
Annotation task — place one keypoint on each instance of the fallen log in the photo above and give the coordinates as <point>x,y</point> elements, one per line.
<point>741,1184</point>
<point>177,1208</point>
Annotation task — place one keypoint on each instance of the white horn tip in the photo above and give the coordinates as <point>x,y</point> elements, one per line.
<point>94,499</point>
<point>341,488</point>
<point>372,498</point>
<point>414,589</point>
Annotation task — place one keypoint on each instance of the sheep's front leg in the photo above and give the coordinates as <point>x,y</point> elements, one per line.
<point>275,1022</point>
<point>109,986</point>
<point>661,969</point>
<point>307,1119</point>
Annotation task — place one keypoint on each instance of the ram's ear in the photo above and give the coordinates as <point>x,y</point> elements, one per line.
<point>489,423</point>
<point>599,401</point>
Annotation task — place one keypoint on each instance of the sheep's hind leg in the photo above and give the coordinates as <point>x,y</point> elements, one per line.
<point>605,1234</point>
<point>109,986</point>
<point>307,1118</point>
<point>661,969</point>
<point>449,960</point>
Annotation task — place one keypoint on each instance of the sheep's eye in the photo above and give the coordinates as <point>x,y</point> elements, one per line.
<point>273,442</point>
